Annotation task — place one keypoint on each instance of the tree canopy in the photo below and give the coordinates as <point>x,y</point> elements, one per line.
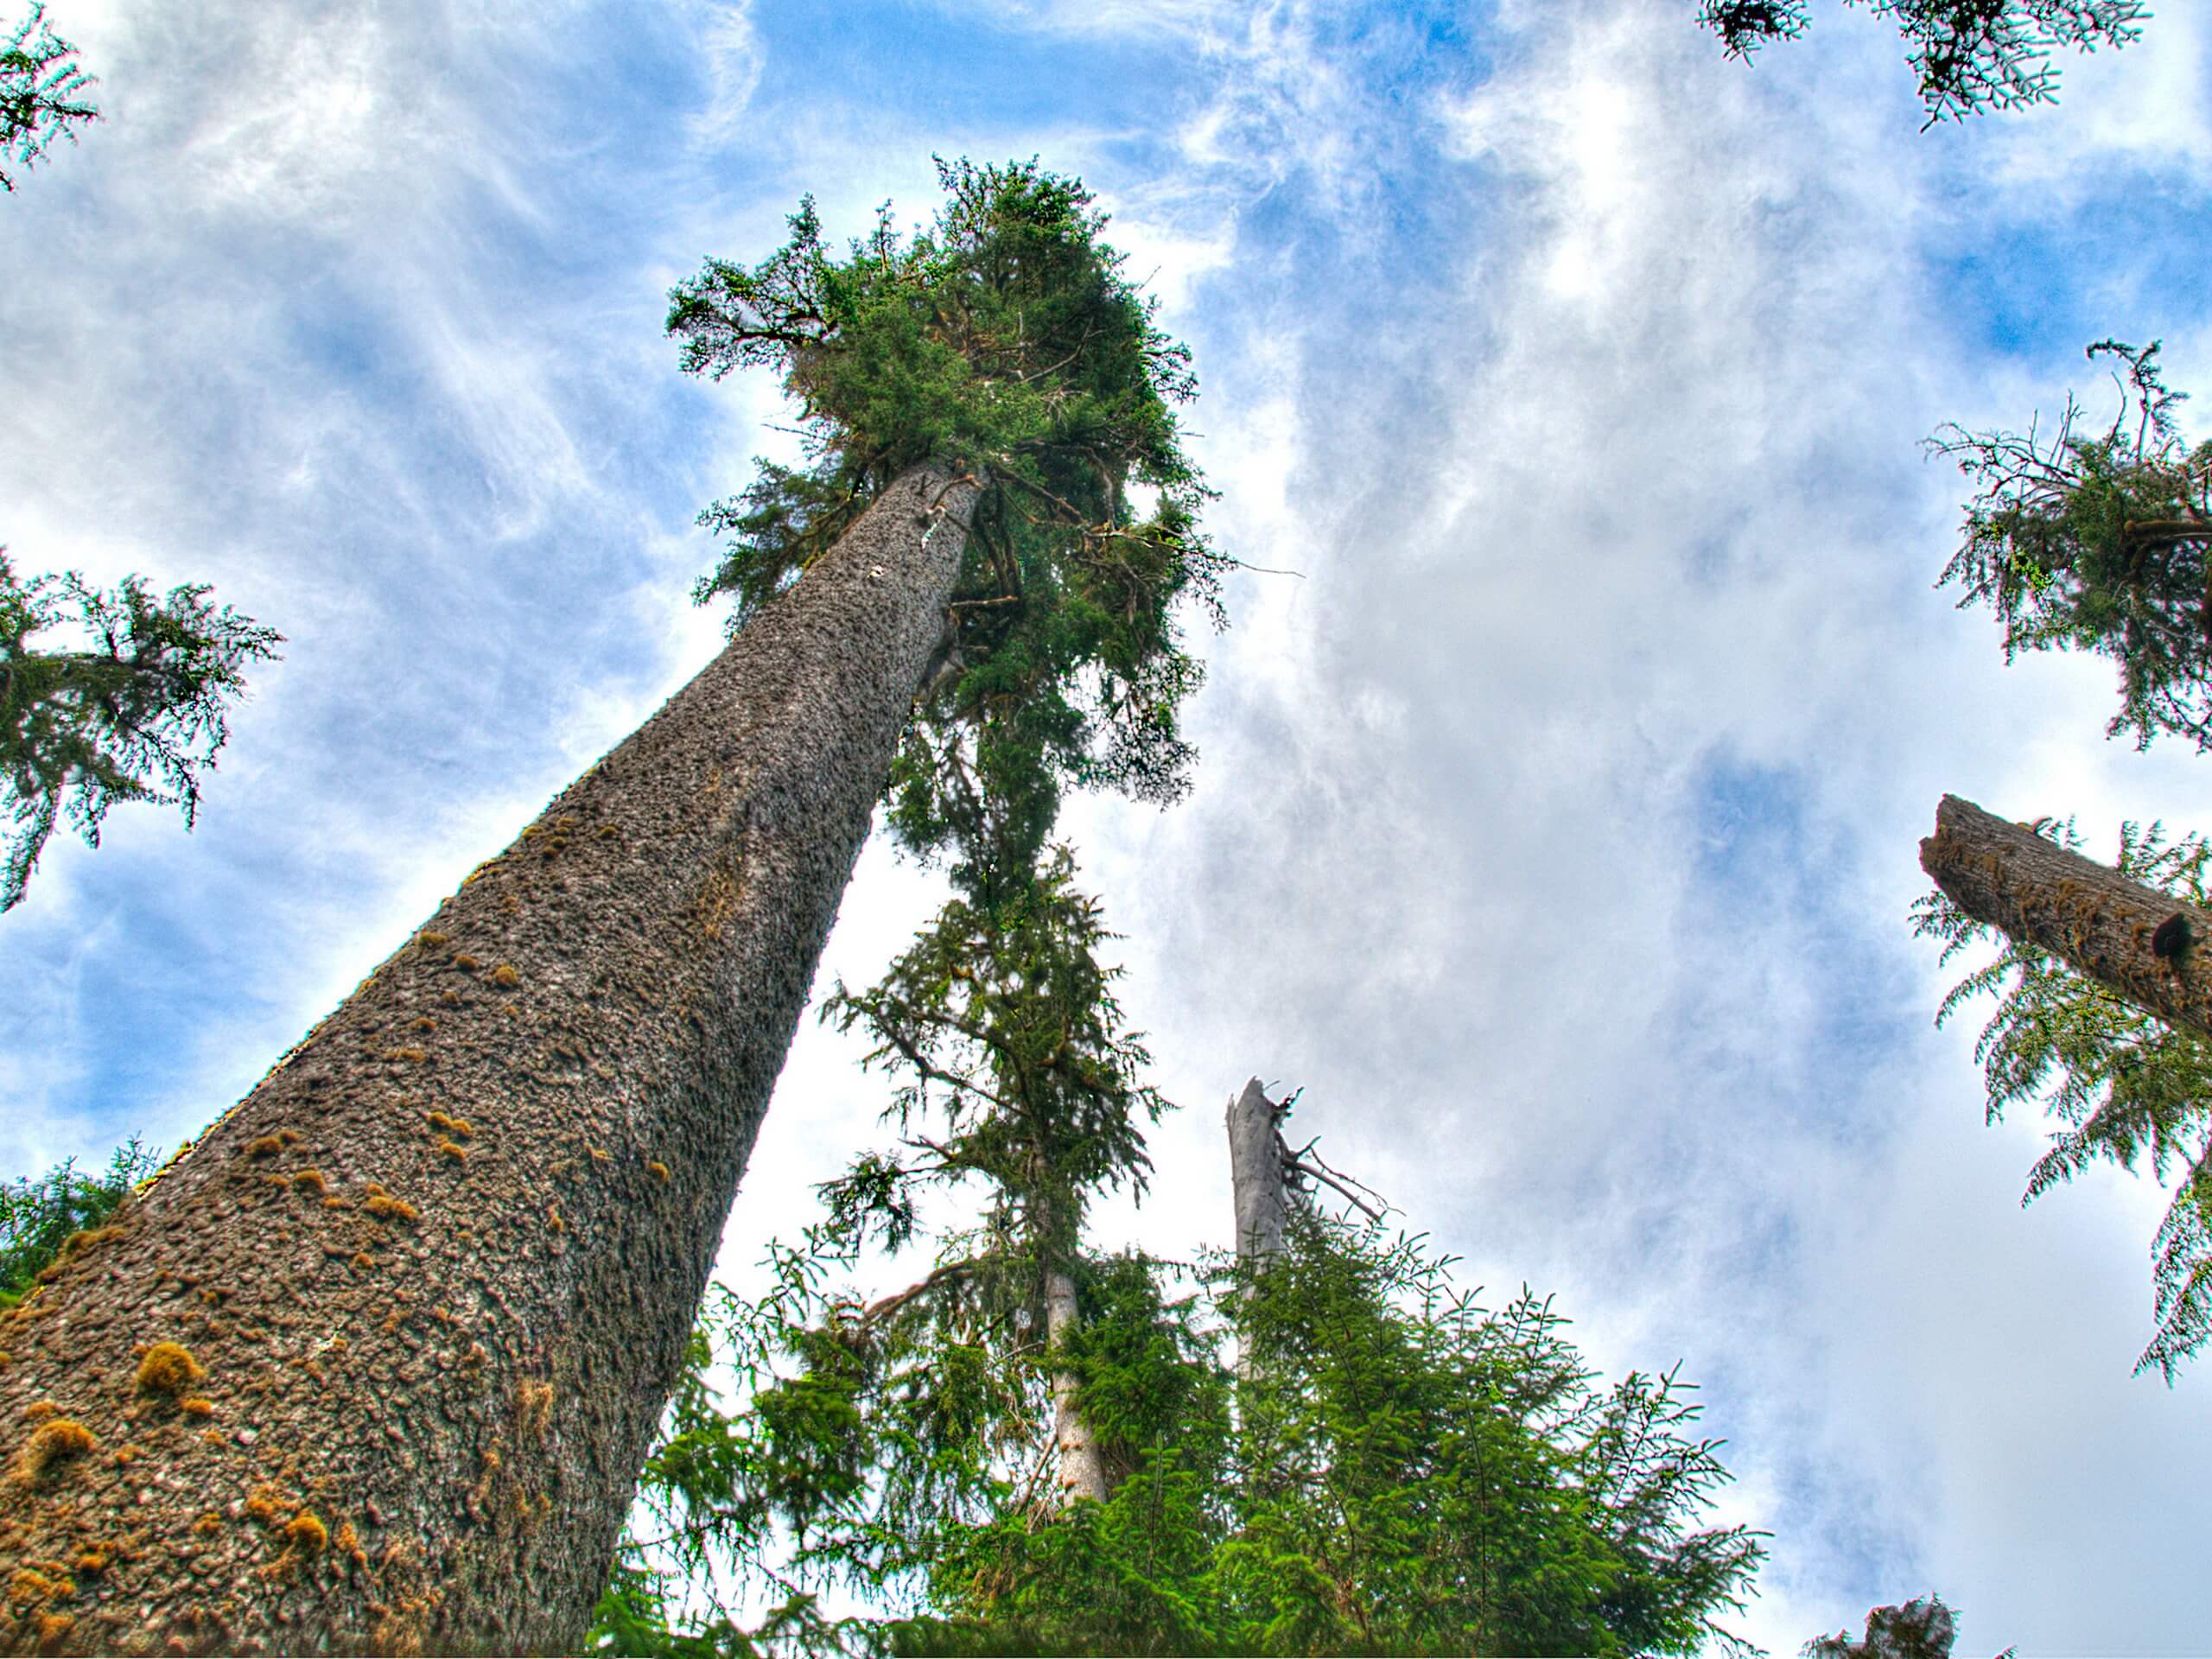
<point>42,94</point>
<point>2096,540</point>
<point>137,716</point>
<point>1969,56</point>
<point>1005,340</point>
<point>41,1216</point>
<point>2125,1086</point>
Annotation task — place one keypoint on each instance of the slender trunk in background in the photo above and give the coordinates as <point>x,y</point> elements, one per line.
<point>1258,1180</point>
<point>2088,915</point>
<point>375,1364</point>
<point>1082,1469</point>
<point>1256,1174</point>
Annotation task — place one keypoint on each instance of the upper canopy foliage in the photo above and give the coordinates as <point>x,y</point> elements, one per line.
<point>1004,341</point>
<point>1407,1474</point>
<point>41,87</point>
<point>2098,542</point>
<point>136,717</point>
<point>1970,55</point>
<point>2123,1083</point>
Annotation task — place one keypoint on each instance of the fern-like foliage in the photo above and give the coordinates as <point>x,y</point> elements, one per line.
<point>135,713</point>
<point>2122,1085</point>
<point>1968,55</point>
<point>41,93</point>
<point>2098,541</point>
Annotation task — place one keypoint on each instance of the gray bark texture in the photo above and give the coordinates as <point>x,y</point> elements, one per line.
<point>1083,1468</point>
<point>2087,914</point>
<point>1257,1174</point>
<point>374,1366</point>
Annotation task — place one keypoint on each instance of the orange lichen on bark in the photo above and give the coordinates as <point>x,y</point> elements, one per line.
<point>423,1022</point>
<point>53,1630</point>
<point>659,1171</point>
<point>168,1368</point>
<point>464,960</point>
<point>39,1409</point>
<point>208,1524</point>
<point>430,940</point>
<point>197,1406</point>
<point>412,1056</point>
<point>312,1179</point>
<point>52,1443</point>
<point>458,1127</point>
<point>504,974</point>
<point>264,1146</point>
<point>306,1531</point>
<point>452,1149</point>
<point>553,1221</point>
<point>600,1155</point>
<point>364,1261</point>
<point>534,1404</point>
<point>382,1204</point>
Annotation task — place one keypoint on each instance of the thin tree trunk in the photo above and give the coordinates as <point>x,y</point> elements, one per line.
<point>1082,1469</point>
<point>1258,1175</point>
<point>431,1280</point>
<point>2096,920</point>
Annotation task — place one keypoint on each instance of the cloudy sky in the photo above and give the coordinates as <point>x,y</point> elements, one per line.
<point>1555,829</point>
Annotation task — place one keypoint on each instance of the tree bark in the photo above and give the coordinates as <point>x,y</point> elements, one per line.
<point>2088,915</point>
<point>1082,1469</point>
<point>1257,1175</point>
<point>430,1283</point>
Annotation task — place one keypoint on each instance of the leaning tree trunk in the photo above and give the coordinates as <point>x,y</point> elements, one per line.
<point>374,1365</point>
<point>2132,939</point>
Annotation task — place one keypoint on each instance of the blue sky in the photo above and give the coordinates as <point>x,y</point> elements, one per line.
<point>1555,829</point>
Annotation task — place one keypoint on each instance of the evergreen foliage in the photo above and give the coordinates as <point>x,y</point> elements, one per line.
<point>1407,1474</point>
<point>41,87</point>
<point>1968,55</point>
<point>2123,1083</point>
<point>136,717</point>
<point>1006,342</point>
<point>2097,541</point>
<point>39,1217</point>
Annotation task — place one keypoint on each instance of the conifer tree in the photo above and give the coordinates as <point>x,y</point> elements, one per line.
<point>137,713</point>
<point>42,94</point>
<point>1969,56</point>
<point>1401,1473</point>
<point>433,1277</point>
<point>2096,539</point>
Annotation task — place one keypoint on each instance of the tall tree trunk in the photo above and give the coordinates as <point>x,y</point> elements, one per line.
<point>2104,926</point>
<point>374,1365</point>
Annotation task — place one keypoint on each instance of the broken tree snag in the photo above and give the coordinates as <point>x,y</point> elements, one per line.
<point>2136,941</point>
<point>1258,1173</point>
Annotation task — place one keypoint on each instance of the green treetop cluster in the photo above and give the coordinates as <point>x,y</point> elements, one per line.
<point>1007,343</point>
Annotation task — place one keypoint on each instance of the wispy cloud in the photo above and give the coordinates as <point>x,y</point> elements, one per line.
<point>1556,827</point>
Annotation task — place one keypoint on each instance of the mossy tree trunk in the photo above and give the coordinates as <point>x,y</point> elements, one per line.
<point>2106,928</point>
<point>422,1294</point>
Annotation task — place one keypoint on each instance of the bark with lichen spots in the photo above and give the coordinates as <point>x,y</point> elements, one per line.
<point>434,1275</point>
<point>2099,924</point>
